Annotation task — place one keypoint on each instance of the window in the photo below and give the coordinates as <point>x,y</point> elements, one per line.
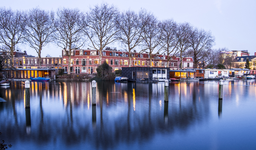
<point>77,70</point>
<point>52,60</point>
<point>125,62</point>
<point>85,53</point>
<point>139,62</point>
<point>116,62</point>
<point>110,54</point>
<point>158,71</point>
<point>143,63</point>
<point>59,61</point>
<point>107,61</point>
<point>135,63</point>
<point>90,61</point>
<point>154,71</point>
<point>121,62</point>
<point>43,61</point>
<point>72,62</point>
<point>64,61</point>
<point>93,52</point>
<point>84,69</point>
<point>83,62</point>
<point>163,71</point>
<point>29,61</point>
<point>177,74</point>
<point>77,62</point>
<point>104,53</point>
<point>47,61</point>
<point>81,52</point>
<point>96,61</point>
<point>111,62</point>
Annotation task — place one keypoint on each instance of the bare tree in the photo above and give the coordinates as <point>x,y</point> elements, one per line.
<point>69,25</point>
<point>183,35</point>
<point>39,30</point>
<point>200,41</point>
<point>12,26</point>
<point>168,39</point>
<point>130,27</point>
<point>150,35</point>
<point>101,29</point>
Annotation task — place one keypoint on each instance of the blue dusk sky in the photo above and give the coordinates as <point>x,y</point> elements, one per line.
<point>231,22</point>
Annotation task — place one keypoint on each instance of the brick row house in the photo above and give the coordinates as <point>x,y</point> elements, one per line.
<point>86,61</point>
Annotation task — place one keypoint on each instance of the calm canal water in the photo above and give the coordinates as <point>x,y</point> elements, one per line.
<point>130,116</point>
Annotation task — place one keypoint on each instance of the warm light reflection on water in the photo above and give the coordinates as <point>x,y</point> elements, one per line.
<point>61,116</point>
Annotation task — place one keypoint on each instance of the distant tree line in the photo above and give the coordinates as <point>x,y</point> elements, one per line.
<point>101,26</point>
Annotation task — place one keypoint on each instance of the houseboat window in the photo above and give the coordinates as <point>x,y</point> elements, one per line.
<point>191,75</point>
<point>183,74</point>
<point>177,74</point>
<point>154,71</point>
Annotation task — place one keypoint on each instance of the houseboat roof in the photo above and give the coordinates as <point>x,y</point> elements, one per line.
<point>38,69</point>
<point>187,70</point>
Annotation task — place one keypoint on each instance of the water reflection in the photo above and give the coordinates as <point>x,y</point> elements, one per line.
<point>62,113</point>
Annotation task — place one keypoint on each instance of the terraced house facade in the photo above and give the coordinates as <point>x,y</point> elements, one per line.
<point>86,61</point>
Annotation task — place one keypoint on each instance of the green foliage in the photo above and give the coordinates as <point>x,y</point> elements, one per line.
<point>60,71</point>
<point>118,72</point>
<point>221,66</point>
<point>210,66</point>
<point>104,72</point>
<point>247,64</point>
